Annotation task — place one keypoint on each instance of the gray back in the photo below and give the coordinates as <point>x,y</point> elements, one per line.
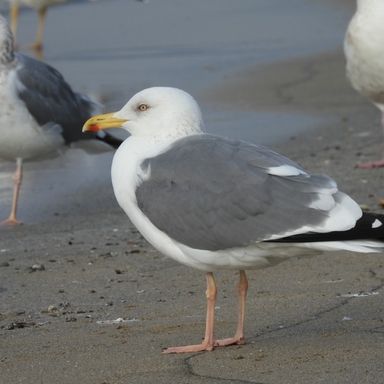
<point>50,99</point>
<point>211,193</point>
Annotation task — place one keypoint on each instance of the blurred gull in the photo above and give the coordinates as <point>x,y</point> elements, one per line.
<point>41,7</point>
<point>39,112</point>
<point>364,52</point>
<point>213,203</point>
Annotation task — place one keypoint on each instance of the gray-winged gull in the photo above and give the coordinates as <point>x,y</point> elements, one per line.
<point>213,203</point>
<point>41,7</point>
<point>364,52</point>
<point>39,112</point>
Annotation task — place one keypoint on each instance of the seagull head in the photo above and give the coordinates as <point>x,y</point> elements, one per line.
<point>6,42</point>
<point>158,112</point>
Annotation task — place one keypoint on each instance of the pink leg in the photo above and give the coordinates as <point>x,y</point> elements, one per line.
<point>208,342</point>
<point>38,44</point>
<point>16,190</point>
<point>239,334</point>
<point>14,16</point>
<point>376,163</point>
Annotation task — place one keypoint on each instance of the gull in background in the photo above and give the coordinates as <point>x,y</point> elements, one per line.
<point>364,53</point>
<point>39,112</point>
<point>41,7</point>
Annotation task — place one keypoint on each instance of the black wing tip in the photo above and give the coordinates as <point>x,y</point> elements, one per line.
<point>369,227</point>
<point>112,141</point>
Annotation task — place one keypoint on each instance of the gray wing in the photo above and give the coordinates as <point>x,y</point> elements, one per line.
<point>212,193</point>
<point>50,99</point>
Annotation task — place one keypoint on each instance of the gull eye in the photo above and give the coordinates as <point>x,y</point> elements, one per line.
<point>142,107</point>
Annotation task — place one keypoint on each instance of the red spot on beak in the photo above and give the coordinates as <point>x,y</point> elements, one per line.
<point>93,128</point>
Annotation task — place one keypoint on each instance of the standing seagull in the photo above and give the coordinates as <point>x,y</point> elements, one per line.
<point>364,52</point>
<point>39,112</point>
<point>213,203</point>
<point>41,7</point>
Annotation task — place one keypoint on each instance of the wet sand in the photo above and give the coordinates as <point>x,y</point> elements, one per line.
<point>317,319</point>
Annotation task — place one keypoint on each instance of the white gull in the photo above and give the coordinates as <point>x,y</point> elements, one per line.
<point>39,112</point>
<point>212,203</point>
<point>364,52</point>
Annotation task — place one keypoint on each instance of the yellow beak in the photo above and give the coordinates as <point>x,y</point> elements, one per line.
<point>99,122</point>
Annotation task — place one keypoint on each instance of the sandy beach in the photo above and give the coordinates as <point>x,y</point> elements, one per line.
<point>317,319</point>
<point>84,299</point>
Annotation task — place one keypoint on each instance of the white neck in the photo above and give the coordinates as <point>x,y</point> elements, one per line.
<point>126,175</point>
<point>127,161</point>
<point>6,43</point>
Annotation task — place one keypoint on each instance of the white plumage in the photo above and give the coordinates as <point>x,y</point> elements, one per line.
<point>167,186</point>
<point>364,52</point>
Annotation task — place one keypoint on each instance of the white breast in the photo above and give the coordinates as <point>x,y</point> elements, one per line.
<point>21,136</point>
<point>364,51</point>
<point>126,176</point>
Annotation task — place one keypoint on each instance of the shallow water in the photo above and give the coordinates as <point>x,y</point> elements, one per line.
<point>113,48</point>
